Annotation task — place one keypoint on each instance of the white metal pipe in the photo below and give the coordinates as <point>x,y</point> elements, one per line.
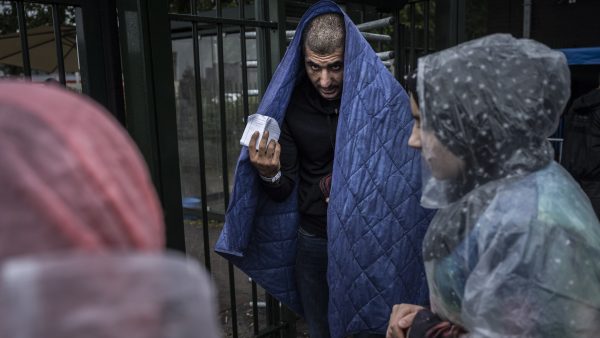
<point>369,36</point>
<point>370,25</point>
<point>376,37</point>
<point>384,56</point>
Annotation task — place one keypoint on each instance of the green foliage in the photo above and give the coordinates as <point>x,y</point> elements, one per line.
<point>37,15</point>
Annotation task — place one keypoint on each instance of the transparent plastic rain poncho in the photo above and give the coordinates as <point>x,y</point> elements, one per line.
<point>106,296</point>
<point>514,250</point>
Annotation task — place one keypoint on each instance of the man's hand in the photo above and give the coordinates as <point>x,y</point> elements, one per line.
<point>325,186</point>
<point>401,319</point>
<point>266,158</point>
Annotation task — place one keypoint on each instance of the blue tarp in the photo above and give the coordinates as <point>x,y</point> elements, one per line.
<point>375,222</point>
<point>582,56</point>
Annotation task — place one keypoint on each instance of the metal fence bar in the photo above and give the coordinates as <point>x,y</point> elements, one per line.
<point>273,312</point>
<point>398,44</point>
<point>559,141</point>
<point>244,64</point>
<point>59,47</point>
<point>269,72</point>
<point>288,34</point>
<point>426,25</point>
<point>363,27</point>
<point>246,108</point>
<point>272,306</point>
<point>200,132</point>
<point>77,3</point>
<point>255,307</point>
<point>375,24</point>
<point>412,60</point>
<point>21,17</point>
<point>225,171</point>
<point>224,21</point>
<point>527,19</point>
<point>289,318</point>
<point>376,37</point>
<point>385,56</point>
<point>369,36</point>
<point>380,44</point>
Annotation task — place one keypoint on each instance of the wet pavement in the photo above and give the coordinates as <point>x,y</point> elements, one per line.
<point>220,275</point>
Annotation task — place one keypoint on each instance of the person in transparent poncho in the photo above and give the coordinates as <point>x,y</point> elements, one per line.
<point>82,231</point>
<point>513,249</point>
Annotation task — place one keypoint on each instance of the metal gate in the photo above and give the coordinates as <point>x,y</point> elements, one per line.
<point>214,95</point>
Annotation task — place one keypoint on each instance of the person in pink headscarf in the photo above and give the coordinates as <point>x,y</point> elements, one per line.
<point>81,229</point>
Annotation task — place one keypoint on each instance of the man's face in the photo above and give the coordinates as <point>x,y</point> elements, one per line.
<point>326,72</point>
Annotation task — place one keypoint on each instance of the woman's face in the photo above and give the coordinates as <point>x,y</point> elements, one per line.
<point>442,162</point>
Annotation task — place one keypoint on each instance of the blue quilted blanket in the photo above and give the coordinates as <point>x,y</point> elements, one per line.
<point>375,222</point>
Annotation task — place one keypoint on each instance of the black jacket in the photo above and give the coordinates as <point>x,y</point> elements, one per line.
<point>581,149</point>
<point>307,147</point>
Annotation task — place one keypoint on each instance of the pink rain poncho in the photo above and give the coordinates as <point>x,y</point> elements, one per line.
<point>82,229</point>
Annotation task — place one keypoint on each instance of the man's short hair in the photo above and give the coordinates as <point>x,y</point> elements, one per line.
<point>325,34</point>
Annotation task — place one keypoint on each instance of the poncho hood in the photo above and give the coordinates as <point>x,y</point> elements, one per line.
<point>492,102</point>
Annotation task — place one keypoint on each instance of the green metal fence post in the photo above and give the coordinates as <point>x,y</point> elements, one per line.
<point>263,48</point>
<point>150,101</point>
<point>99,55</point>
<point>278,36</point>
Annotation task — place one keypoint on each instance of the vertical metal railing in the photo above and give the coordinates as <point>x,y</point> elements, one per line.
<point>56,23</point>
<point>24,39</point>
<point>426,12</point>
<point>246,108</point>
<point>412,57</point>
<point>224,162</point>
<point>200,133</point>
<point>244,61</point>
<point>398,47</point>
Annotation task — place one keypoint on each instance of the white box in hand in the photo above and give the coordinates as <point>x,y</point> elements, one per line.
<point>260,123</point>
